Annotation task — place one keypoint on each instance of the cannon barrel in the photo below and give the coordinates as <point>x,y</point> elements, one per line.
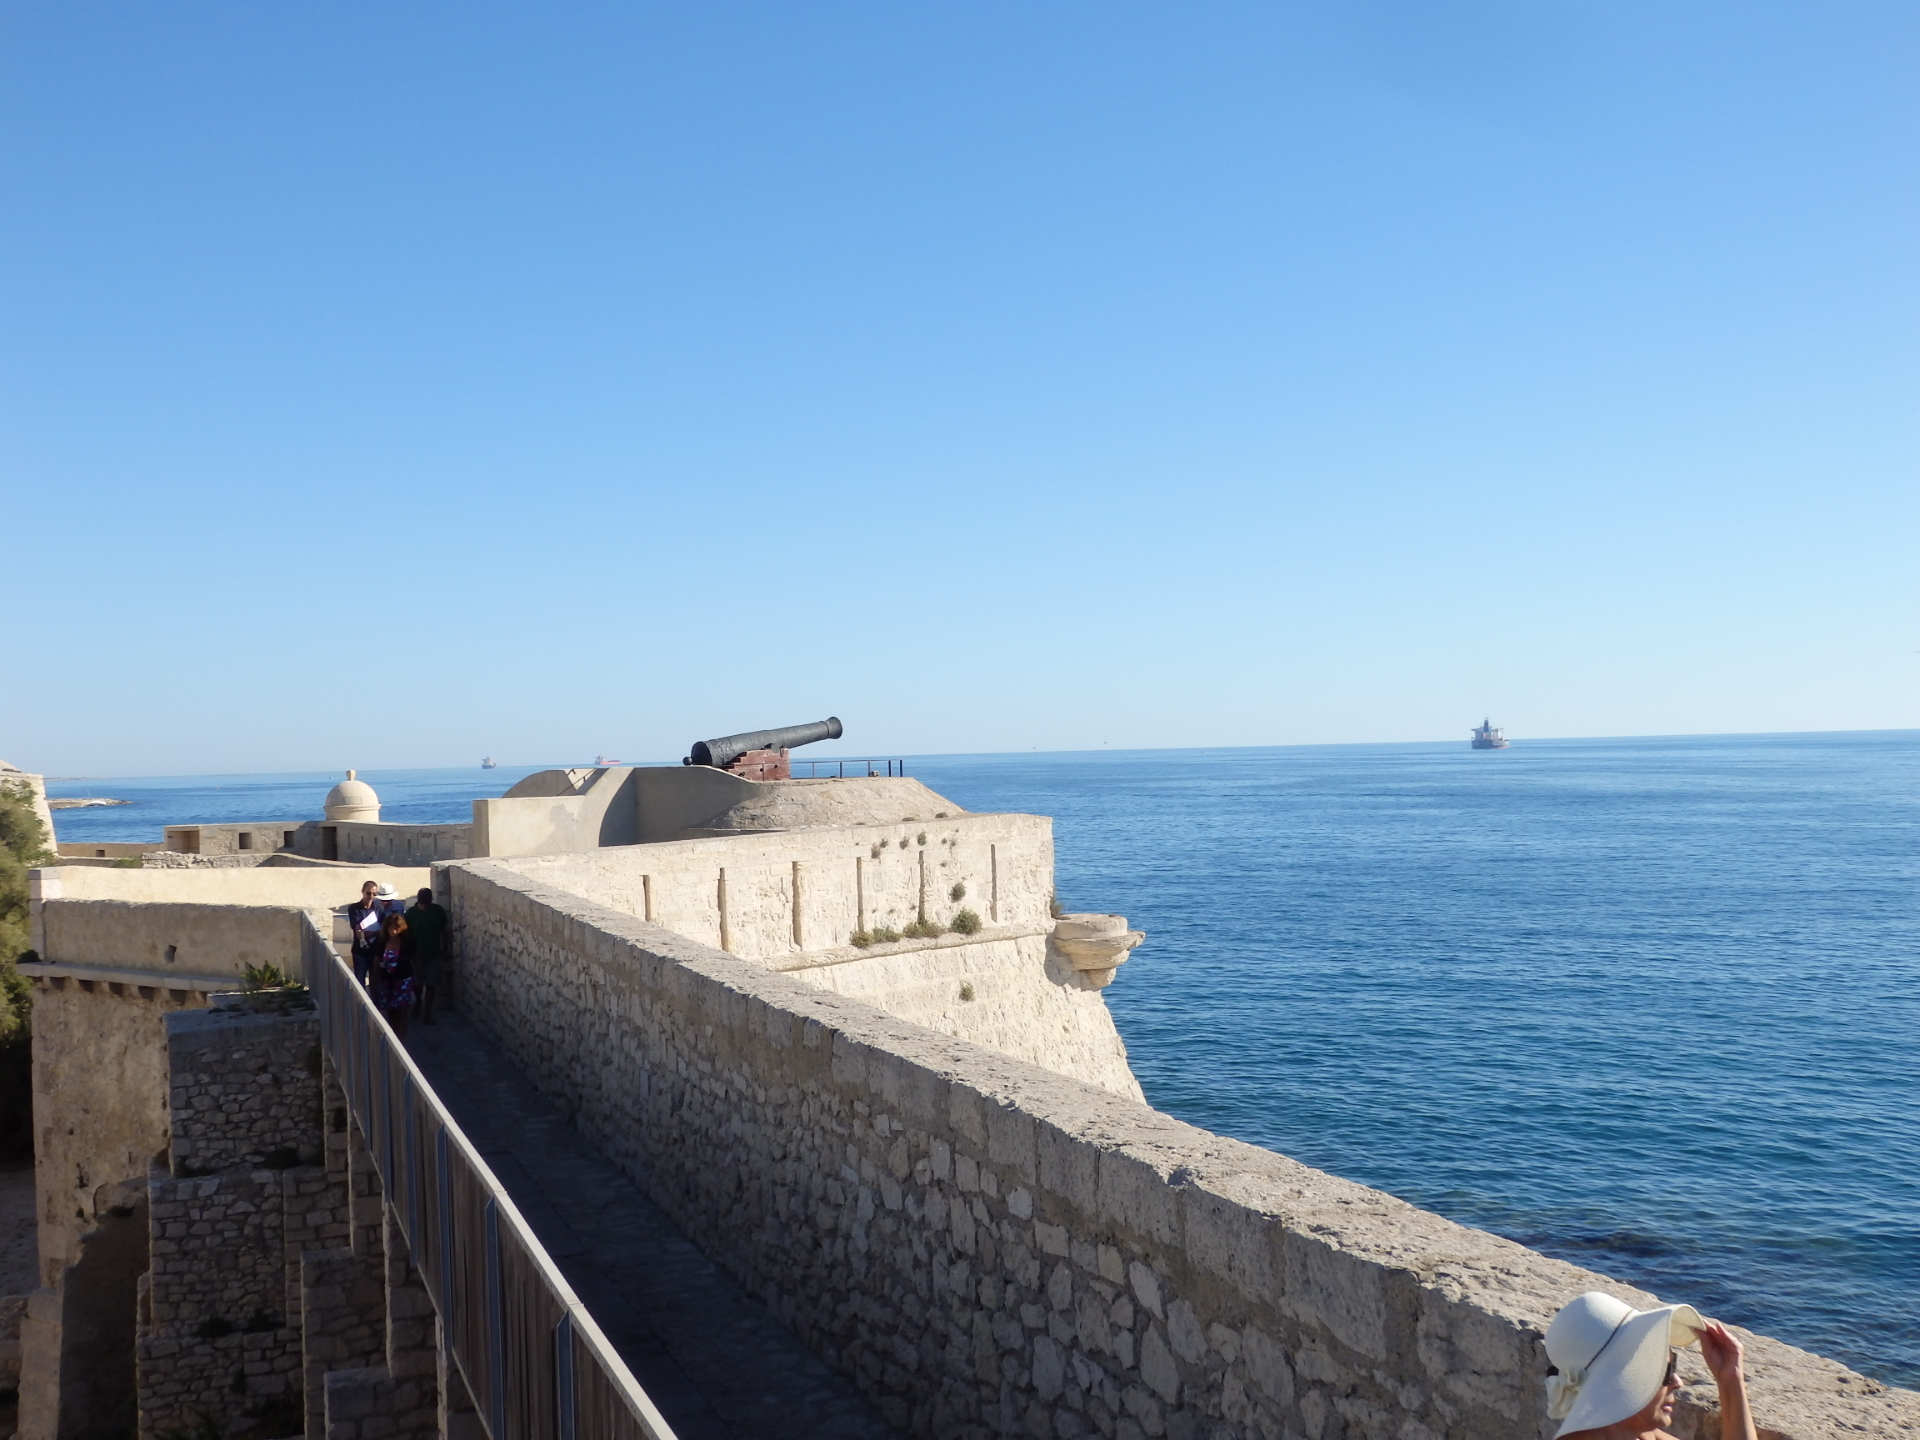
<point>724,751</point>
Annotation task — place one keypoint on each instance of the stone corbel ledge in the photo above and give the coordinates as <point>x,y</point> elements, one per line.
<point>116,975</point>
<point>1095,945</point>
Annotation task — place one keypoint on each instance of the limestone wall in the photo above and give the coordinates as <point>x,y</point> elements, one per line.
<point>219,1333</point>
<point>167,939</point>
<point>298,887</point>
<point>247,1194</point>
<point>848,879</point>
<point>795,898</point>
<point>99,1102</point>
<point>250,837</point>
<point>989,1247</point>
<point>381,844</point>
<point>589,807</point>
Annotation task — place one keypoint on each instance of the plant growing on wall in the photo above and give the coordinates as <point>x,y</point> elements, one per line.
<point>966,922</point>
<point>958,892</point>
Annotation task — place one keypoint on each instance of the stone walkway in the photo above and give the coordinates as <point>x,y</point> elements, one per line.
<point>711,1357</point>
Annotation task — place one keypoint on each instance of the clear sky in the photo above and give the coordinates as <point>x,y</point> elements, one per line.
<point>388,384</point>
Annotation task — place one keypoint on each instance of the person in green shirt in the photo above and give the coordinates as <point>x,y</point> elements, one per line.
<point>427,924</point>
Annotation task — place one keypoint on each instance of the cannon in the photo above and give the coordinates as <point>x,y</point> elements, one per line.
<point>761,754</point>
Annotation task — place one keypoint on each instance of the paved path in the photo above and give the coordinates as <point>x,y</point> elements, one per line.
<point>711,1357</point>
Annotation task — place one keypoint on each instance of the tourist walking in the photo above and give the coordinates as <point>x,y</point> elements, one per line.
<point>1616,1370</point>
<point>364,918</point>
<point>393,988</point>
<point>427,924</point>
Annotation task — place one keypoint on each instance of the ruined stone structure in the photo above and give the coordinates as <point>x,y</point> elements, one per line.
<point>832,1029</point>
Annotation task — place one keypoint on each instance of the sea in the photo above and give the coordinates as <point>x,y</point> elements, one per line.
<point>1649,1005</point>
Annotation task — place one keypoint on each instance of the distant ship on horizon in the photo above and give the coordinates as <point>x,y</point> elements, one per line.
<point>1486,737</point>
<point>603,760</point>
<point>487,763</point>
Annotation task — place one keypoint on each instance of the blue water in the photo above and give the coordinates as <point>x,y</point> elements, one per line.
<point>1649,1005</point>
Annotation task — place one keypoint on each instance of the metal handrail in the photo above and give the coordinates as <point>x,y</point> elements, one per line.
<point>870,768</point>
<point>537,1365</point>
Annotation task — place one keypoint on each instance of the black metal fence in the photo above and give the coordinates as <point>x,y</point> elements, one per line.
<point>537,1365</point>
<point>840,769</point>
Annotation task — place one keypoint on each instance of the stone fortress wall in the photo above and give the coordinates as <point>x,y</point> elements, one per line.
<point>795,899</point>
<point>928,1156</point>
<point>992,1247</point>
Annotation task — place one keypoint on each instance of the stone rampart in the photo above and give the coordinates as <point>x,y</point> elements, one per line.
<point>991,1248</point>
<point>167,939</point>
<point>295,887</point>
<point>803,893</point>
<point>796,899</point>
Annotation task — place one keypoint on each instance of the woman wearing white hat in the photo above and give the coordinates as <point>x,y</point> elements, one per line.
<point>1616,1373</point>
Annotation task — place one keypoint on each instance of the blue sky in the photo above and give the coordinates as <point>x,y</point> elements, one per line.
<point>389,384</point>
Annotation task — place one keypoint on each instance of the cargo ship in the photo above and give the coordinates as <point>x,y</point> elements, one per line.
<point>1486,737</point>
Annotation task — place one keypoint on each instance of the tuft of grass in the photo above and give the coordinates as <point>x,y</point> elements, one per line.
<point>958,892</point>
<point>271,977</point>
<point>878,935</point>
<point>966,990</point>
<point>127,862</point>
<point>923,837</point>
<point>1053,907</point>
<point>924,929</point>
<point>966,922</point>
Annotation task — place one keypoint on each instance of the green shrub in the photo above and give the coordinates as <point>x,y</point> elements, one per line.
<point>924,929</point>
<point>966,923</point>
<point>958,892</point>
<point>24,844</point>
<point>966,990</point>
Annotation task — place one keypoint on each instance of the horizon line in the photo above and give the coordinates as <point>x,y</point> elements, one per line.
<point>991,754</point>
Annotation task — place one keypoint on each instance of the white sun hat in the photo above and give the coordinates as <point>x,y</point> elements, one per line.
<point>1610,1358</point>
<point>386,892</point>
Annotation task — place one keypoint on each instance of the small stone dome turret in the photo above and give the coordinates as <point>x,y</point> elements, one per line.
<point>353,799</point>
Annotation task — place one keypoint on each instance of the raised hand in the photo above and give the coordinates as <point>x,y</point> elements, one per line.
<point>1721,1352</point>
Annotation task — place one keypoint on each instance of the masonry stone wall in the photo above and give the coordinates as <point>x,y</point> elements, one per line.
<point>219,1331</point>
<point>851,878</point>
<point>244,1085</point>
<point>992,1248</point>
<point>248,1194</point>
<point>794,899</point>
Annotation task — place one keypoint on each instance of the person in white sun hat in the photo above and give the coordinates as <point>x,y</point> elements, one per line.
<point>1616,1370</point>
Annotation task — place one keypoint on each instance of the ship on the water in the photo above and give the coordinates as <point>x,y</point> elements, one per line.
<point>488,763</point>
<point>1486,737</point>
